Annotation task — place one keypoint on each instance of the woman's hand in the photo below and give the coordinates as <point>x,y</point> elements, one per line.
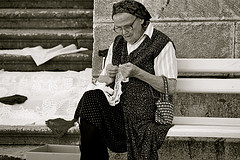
<point>105,79</point>
<point>111,70</point>
<point>128,70</point>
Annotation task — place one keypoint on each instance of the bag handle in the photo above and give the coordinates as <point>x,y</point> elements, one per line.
<point>165,82</point>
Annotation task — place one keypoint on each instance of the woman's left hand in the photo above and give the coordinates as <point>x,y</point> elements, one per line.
<point>128,70</point>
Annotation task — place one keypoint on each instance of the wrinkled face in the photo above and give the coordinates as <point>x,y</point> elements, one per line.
<point>129,26</point>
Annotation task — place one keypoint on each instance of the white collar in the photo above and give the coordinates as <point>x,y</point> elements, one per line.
<point>149,30</point>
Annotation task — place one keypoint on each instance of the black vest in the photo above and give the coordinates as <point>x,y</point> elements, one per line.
<point>143,57</point>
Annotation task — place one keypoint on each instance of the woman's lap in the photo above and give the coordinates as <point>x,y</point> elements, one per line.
<point>95,108</point>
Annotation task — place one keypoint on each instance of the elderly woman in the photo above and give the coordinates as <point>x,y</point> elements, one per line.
<point>143,55</point>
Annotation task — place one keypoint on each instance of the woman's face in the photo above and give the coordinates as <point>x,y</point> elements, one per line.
<point>129,26</point>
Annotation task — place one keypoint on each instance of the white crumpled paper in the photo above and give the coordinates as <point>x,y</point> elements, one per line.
<point>41,55</point>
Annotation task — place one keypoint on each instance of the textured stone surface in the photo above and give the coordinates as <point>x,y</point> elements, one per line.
<point>75,61</point>
<point>182,150</point>
<point>103,10</point>
<point>237,50</point>
<point>85,39</point>
<point>18,151</point>
<point>178,9</point>
<point>46,13</point>
<point>46,4</point>
<point>207,105</point>
<point>35,135</point>
<point>18,39</point>
<point>237,40</point>
<point>194,9</point>
<point>238,32</point>
<point>200,39</point>
<point>49,18</point>
<point>172,149</point>
<point>232,150</point>
<point>198,149</point>
<point>103,37</point>
<point>192,39</point>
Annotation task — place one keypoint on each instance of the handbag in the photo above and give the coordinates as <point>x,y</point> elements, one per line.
<point>164,112</point>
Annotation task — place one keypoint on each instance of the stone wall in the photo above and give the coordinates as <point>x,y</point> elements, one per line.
<point>199,28</point>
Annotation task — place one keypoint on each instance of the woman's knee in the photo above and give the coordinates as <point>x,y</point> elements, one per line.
<point>93,93</point>
<point>96,95</point>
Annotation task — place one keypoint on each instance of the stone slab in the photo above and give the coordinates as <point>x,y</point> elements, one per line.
<point>49,18</point>
<point>172,149</point>
<point>194,9</point>
<point>40,33</point>
<point>75,62</point>
<point>35,135</point>
<point>183,10</point>
<point>237,40</point>
<point>103,35</point>
<point>237,34</point>
<point>15,141</point>
<point>47,43</point>
<point>200,39</point>
<point>46,23</point>
<point>21,38</point>
<point>237,50</point>
<point>15,152</point>
<point>47,4</point>
<point>194,149</point>
<point>207,105</point>
<point>46,13</point>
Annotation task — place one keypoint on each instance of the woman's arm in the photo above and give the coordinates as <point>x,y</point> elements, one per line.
<point>131,70</point>
<point>109,71</point>
<point>157,81</point>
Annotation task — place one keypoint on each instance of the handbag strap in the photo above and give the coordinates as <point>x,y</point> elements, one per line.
<point>165,82</point>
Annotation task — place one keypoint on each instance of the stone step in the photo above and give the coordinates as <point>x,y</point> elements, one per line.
<point>47,38</point>
<point>15,152</point>
<point>35,135</point>
<point>172,149</point>
<point>46,18</point>
<point>75,61</point>
<point>80,4</point>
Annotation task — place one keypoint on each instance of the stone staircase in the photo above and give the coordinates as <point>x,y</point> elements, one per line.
<point>46,23</point>
<point>200,30</point>
<point>30,23</point>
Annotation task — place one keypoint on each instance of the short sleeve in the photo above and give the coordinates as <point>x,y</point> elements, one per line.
<point>166,63</point>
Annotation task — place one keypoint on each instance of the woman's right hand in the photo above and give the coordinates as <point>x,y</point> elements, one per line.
<point>111,70</point>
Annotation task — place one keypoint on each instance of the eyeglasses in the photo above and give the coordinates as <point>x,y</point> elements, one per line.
<point>119,30</point>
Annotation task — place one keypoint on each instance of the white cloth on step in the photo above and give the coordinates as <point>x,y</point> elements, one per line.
<point>50,95</point>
